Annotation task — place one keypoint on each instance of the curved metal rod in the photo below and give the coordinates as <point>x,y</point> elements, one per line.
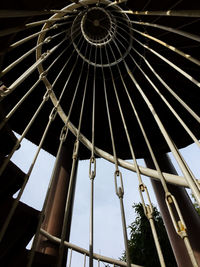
<point>174,179</point>
<point>85,251</point>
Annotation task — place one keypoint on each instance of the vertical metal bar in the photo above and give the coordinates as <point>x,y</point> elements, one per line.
<point>154,159</point>
<point>155,237</point>
<point>91,223</point>
<point>84,263</point>
<point>190,252</point>
<point>124,227</point>
<point>92,173</point>
<point>70,259</point>
<point>120,193</point>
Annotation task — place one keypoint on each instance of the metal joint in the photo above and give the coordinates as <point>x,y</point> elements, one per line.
<point>63,133</point>
<point>178,224</point>
<point>119,190</point>
<point>3,93</point>
<point>48,39</point>
<point>43,75</point>
<point>148,209</point>
<point>55,26</point>
<point>142,187</point>
<point>3,89</point>
<point>53,113</point>
<point>44,55</point>
<point>149,212</point>
<point>75,151</point>
<point>92,168</point>
<point>46,95</point>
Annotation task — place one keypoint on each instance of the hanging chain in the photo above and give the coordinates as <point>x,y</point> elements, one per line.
<point>119,190</point>
<point>148,209</point>
<point>92,168</point>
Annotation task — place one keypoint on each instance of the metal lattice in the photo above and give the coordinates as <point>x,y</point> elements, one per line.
<point>123,81</point>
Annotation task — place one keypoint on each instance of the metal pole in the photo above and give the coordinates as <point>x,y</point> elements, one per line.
<point>56,204</point>
<point>190,216</point>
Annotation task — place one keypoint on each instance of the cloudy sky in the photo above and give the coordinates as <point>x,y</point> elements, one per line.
<point>108,238</point>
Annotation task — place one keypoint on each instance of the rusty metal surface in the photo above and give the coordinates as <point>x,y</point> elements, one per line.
<point>56,204</point>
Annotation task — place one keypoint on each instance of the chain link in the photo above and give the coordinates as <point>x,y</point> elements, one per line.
<point>75,151</point>
<point>46,95</point>
<point>119,190</point>
<point>63,133</point>
<point>179,223</point>
<point>53,113</point>
<point>48,39</point>
<point>92,168</point>
<point>148,208</point>
<point>43,75</point>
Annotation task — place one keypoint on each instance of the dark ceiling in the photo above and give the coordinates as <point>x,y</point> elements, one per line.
<point>184,88</point>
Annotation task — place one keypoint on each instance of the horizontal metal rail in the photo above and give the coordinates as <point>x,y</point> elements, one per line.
<point>85,251</point>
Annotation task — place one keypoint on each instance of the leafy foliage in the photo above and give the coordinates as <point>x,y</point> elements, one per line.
<point>141,244</point>
<point>196,205</point>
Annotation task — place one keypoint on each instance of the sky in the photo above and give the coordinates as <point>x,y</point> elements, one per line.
<point>108,237</point>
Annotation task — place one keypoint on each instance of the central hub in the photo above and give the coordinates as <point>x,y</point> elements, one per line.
<point>96,26</point>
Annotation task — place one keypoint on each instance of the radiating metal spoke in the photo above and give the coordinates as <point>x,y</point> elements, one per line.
<point>16,62</point>
<point>29,25</point>
<point>19,80</point>
<point>148,209</point>
<point>169,29</point>
<point>166,85</point>
<point>72,177</point>
<point>100,55</point>
<point>165,100</point>
<point>170,47</point>
<point>168,13</point>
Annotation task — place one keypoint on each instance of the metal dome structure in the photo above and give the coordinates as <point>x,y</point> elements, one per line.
<point>91,79</point>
